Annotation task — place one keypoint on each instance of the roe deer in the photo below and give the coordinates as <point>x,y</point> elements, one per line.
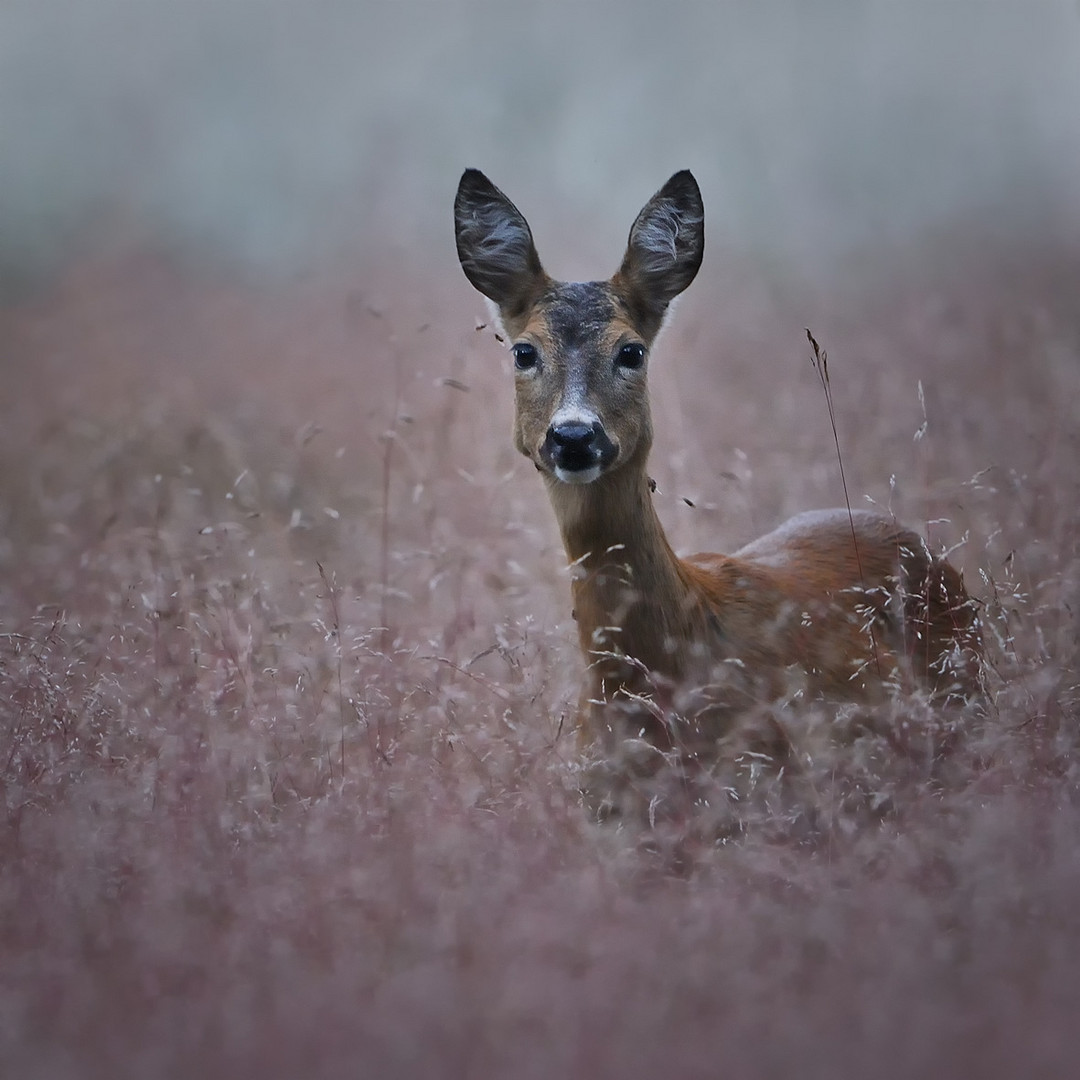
<point>676,647</point>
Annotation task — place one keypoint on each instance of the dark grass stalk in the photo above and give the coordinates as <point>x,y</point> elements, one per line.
<point>820,360</point>
<point>389,438</point>
<point>384,539</point>
<point>920,437</point>
<point>335,616</point>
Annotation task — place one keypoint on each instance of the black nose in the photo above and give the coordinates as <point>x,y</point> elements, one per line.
<point>573,438</point>
<point>578,447</point>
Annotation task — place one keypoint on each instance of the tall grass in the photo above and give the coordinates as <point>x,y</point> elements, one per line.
<point>287,679</point>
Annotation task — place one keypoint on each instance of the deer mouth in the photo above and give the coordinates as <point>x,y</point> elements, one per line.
<point>577,476</point>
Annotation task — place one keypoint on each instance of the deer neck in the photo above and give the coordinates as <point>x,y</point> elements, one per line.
<point>630,594</point>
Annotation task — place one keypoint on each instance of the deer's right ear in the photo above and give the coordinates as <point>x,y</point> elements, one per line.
<point>495,245</point>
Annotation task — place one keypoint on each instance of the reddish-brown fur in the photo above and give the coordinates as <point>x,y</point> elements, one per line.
<point>834,603</point>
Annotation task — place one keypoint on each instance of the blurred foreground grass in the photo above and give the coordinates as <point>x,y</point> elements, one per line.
<point>287,678</point>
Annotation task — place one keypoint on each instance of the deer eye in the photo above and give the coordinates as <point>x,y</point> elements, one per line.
<point>525,356</point>
<point>631,356</point>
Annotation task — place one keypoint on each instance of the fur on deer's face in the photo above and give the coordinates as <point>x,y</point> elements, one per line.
<point>580,348</point>
<point>584,372</point>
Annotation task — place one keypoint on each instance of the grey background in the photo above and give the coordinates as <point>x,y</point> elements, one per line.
<point>279,134</point>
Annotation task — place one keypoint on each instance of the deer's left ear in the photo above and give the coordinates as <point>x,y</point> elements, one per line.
<point>666,246</point>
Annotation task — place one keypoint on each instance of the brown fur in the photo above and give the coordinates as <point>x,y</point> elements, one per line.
<point>839,604</point>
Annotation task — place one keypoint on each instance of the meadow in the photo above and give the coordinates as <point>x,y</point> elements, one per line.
<point>288,676</point>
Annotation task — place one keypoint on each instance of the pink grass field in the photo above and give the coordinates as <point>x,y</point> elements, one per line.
<point>287,679</point>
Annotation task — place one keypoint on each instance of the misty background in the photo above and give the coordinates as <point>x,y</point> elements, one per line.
<point>279,134</point>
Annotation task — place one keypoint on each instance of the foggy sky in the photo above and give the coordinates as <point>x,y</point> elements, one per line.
<point>279,133</point>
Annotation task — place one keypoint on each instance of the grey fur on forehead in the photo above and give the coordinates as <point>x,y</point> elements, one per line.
<point>578,311</point>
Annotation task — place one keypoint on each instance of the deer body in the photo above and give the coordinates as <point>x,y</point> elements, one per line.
<point>848,601</point>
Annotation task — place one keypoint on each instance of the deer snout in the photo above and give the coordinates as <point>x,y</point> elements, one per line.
<point>575,438</point>
<point>577,452</point>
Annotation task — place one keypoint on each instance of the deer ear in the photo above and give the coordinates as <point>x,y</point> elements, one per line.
<point>666,246</point>
<point>495,245</point>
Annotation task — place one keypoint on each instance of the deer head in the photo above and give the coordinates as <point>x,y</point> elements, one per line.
<point>580,349</point>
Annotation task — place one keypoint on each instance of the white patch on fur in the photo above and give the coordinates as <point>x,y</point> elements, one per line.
<point>665,322</point>
<point>573,411</point>
<point>575,407</point>
<point>577,476</point>
<point>495,318</point>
